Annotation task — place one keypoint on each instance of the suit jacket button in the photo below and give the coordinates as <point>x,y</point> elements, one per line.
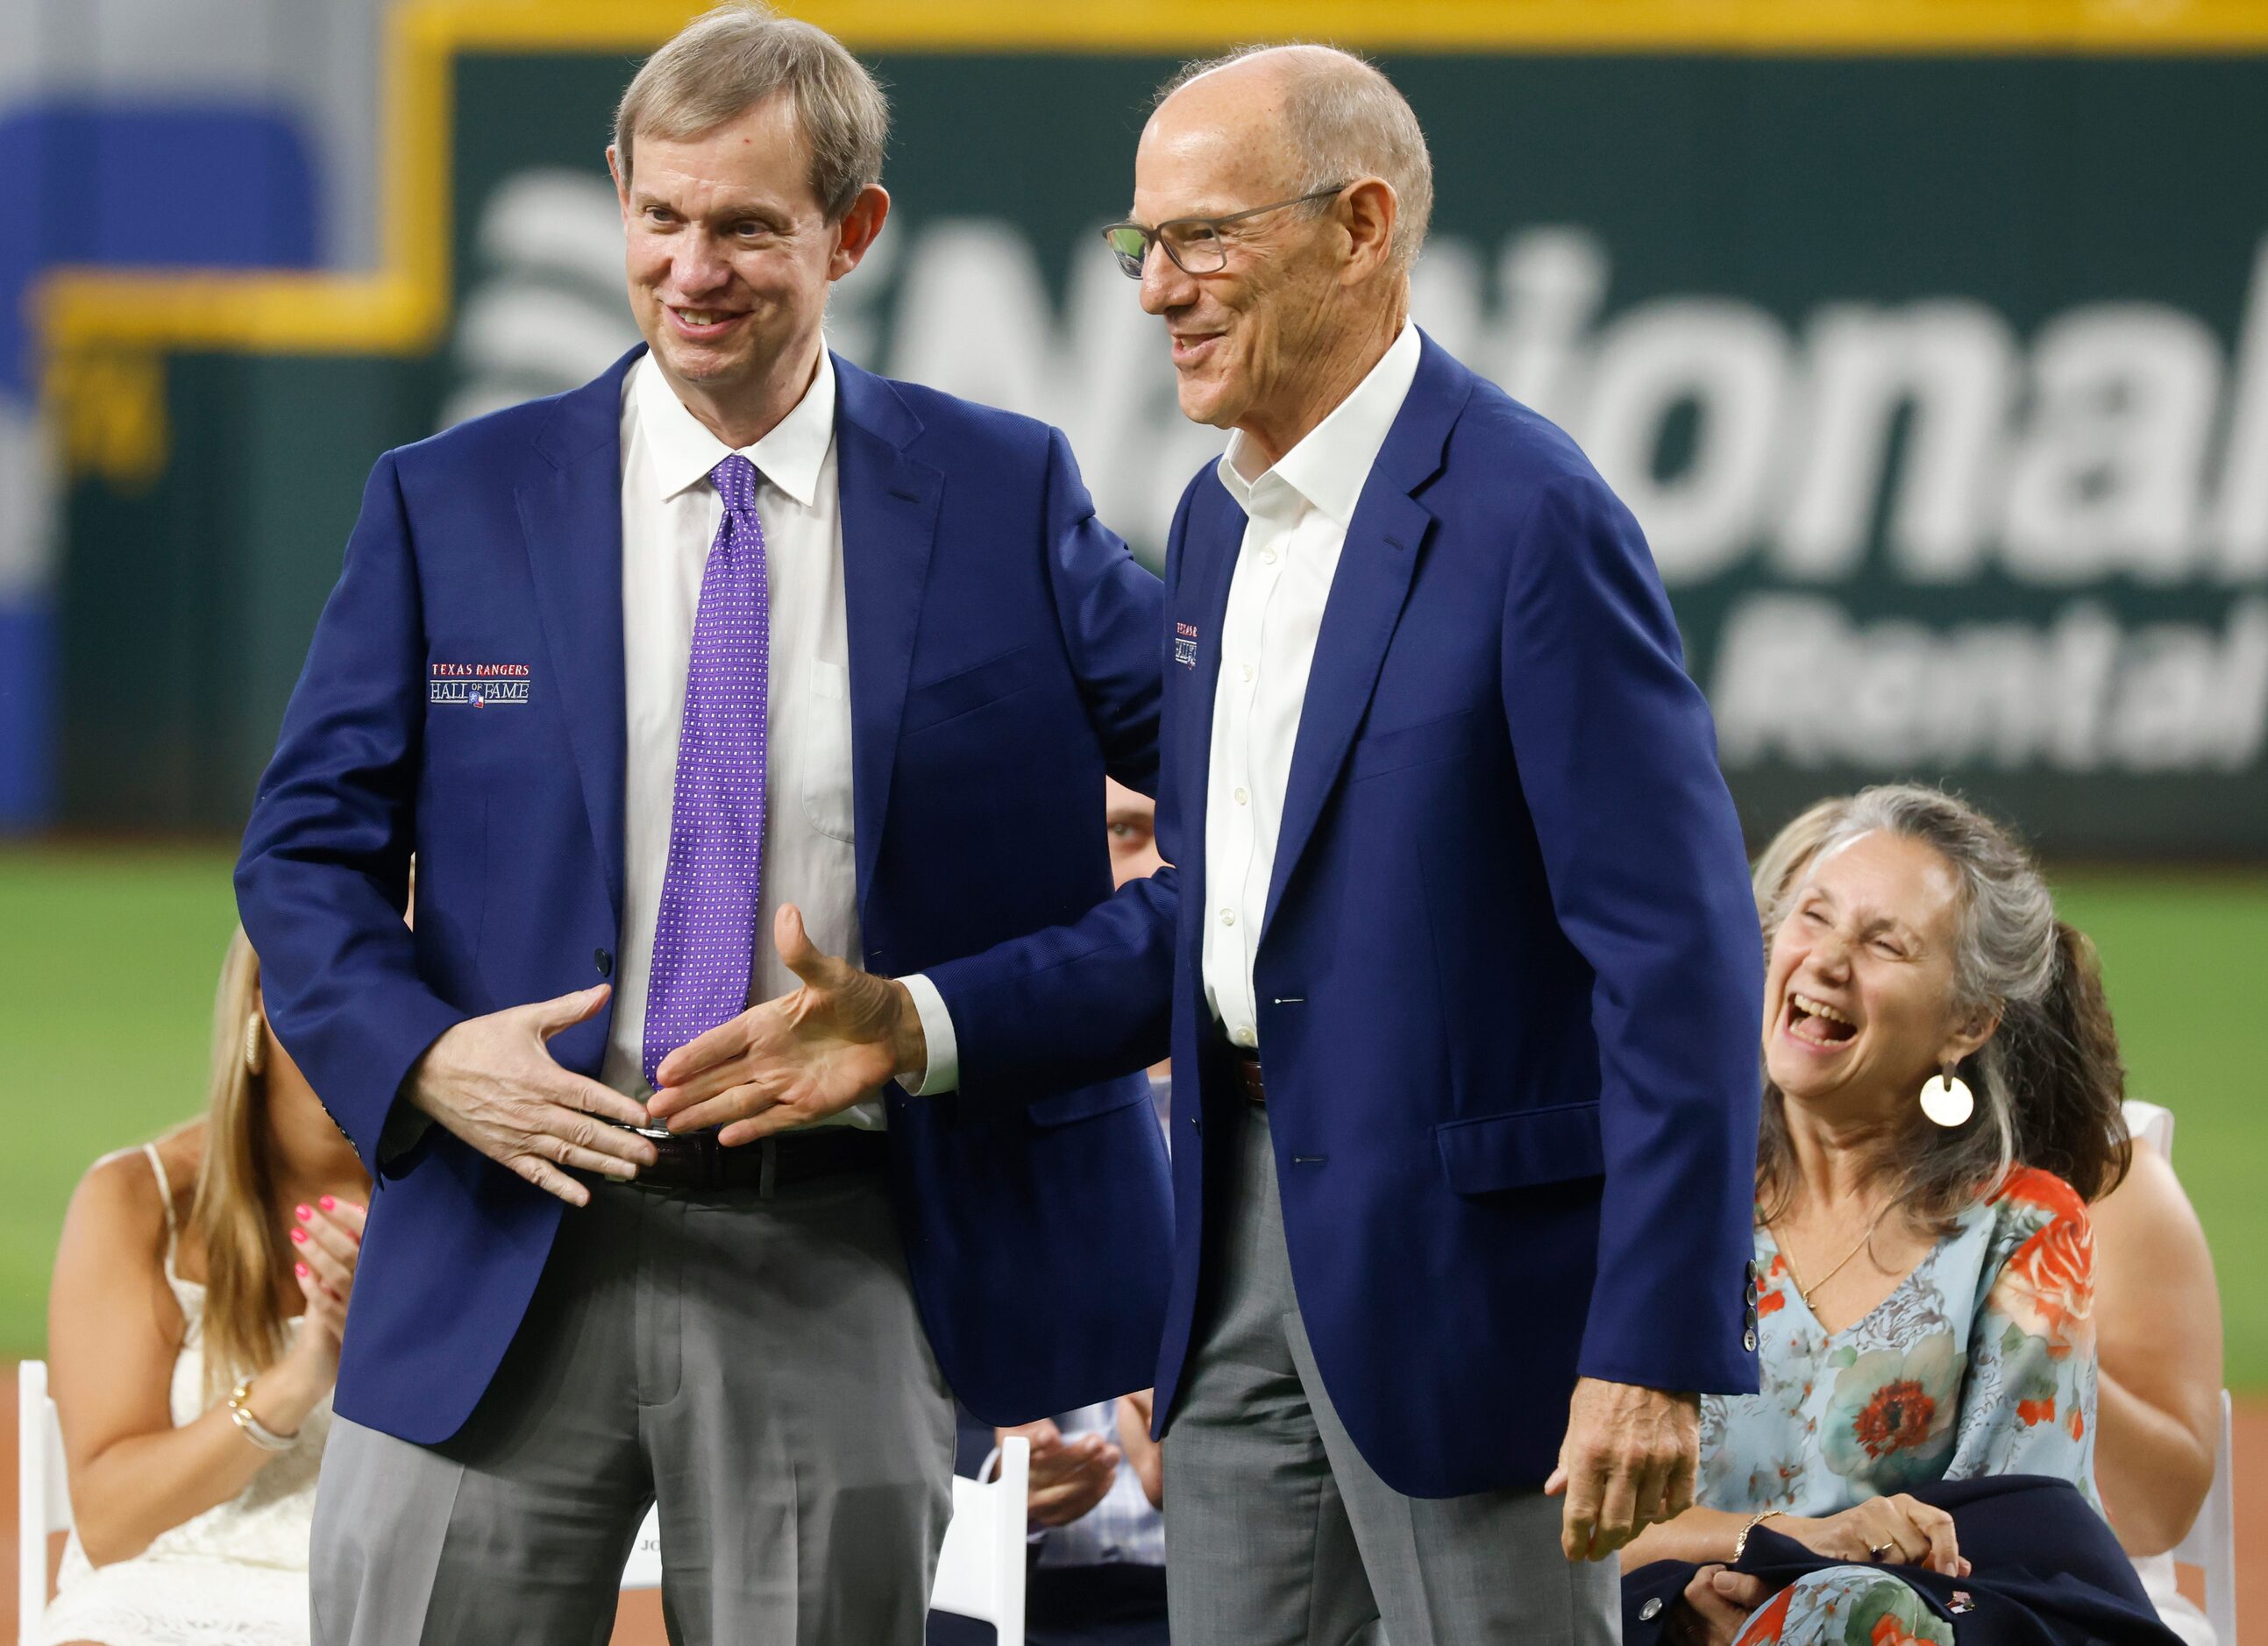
<point>604,961</point>
<point>1748,1340</point>
<point>1651,1610</point>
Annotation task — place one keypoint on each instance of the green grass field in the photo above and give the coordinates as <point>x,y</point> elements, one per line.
<point>110,957</point>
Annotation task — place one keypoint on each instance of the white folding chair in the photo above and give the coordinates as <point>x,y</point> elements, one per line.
<point>43,1491</point>
<point>644,1569</point>
<point>2152,1123</point>
<point>980,1571</point>
<point>2212,1541</point>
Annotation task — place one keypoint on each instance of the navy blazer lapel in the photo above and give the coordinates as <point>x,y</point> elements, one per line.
<point>1212,537</point>
<point>570,511</point>
<point>1367,593</point>
<point>890,505</point>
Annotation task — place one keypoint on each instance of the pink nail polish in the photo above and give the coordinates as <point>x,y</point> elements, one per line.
<point>298,1237</point>
<point>301,1269</point>
<point>302,1213</point>
<point>329,1203</point>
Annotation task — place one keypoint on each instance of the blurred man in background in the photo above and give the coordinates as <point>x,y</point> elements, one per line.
<point>643,673</point>
<point>1099,1569</point>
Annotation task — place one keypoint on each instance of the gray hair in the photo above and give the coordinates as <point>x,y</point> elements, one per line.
<point>725,62</point>
<point>1346,121</point>
<point>2005,961</point>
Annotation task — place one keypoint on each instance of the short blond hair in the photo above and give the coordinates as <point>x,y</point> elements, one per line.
<point>725,62</point>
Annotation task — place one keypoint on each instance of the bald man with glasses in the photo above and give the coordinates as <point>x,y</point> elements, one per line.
<point>1466,978</point>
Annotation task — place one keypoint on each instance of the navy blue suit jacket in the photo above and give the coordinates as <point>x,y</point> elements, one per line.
<point>1509,977</point>
<point>1004,655</point>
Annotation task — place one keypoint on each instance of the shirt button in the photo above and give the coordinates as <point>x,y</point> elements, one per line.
<point>1243,795</point>
<point>1244,1036</point>
<point>1244,670</point>
<point>1267,556</point>
<point>1228,917</point>
<point>1651,1610</point>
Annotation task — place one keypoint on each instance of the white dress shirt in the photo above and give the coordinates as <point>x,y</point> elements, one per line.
<point>1296,519</point>
<point>670,514</point>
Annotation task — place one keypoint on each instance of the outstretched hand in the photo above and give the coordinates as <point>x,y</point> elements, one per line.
<point>831,1042</point>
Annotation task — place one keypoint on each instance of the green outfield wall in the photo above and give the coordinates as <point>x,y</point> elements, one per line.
<point>1940,385</point>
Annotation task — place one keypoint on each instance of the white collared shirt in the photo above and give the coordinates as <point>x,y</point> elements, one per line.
<point>670,515</point>
<point>1296,518</point>
<point>1297,515</point>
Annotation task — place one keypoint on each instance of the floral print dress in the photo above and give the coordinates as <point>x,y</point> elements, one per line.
<point>1981,1361</point>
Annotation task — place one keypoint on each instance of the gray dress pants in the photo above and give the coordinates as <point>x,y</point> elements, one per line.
<point>753,1363</point>
<point>1278,1533</point>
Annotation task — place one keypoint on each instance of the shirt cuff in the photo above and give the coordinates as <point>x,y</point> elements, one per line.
<point>944,1071</point>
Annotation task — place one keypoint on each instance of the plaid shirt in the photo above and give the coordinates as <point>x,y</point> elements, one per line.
<point>1121,1530</point>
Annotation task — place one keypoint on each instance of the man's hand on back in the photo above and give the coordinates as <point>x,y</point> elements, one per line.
<point>1629,1460</point>
<point>816,1050</point>
<point>492,1081</point>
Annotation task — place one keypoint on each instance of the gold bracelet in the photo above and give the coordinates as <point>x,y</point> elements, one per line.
<point>1740,1543</point>
<point>255,1431</point>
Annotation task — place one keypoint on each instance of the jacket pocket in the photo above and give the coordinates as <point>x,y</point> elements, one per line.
<point>1106,1097</point>
<point>979,685</point>
<point>1442,738</point>
<point>1520,1149</point>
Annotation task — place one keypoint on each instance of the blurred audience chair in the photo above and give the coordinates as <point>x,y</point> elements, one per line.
<point>43,1491</point>
<point>2212,1541</point>
<point>980,1571</point>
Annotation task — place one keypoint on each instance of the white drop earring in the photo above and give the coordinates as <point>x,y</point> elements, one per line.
<point>255,1047</point>
<point>1946,1098</point>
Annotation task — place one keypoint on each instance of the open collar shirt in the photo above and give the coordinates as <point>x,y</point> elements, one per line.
<point>1297,514</point>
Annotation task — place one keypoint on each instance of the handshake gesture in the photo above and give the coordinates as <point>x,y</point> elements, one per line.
<point>835,1040</point>
<point>816,1050</point>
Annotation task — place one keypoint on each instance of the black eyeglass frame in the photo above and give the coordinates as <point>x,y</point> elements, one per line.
<point>1132,267</point>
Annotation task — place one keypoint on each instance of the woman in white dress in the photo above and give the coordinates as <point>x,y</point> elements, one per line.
<point>193,1339</point>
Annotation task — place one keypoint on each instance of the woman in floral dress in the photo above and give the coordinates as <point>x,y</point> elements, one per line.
<point>1924,1278</point>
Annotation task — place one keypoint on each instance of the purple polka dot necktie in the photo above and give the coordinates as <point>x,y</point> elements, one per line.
<point>705,942</point>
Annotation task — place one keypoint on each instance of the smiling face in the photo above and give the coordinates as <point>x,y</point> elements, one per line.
<point>1268,343</point>
<point>1859,994</point>
<point>729,254</point>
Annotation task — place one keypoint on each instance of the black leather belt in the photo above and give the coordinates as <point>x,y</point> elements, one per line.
<point>696,1160</point>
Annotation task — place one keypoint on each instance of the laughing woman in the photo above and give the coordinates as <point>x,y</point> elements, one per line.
<point>1941,1100</point>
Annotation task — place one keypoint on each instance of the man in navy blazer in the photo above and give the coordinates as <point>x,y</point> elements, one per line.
<point>565,1310</point>
<point>1465,983</point>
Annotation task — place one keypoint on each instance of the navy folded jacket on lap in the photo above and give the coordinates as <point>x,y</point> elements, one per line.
<point>2045,1570</point>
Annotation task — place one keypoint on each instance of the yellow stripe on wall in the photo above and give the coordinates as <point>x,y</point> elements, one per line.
<point>1871,26</point>
<point>400,308</point>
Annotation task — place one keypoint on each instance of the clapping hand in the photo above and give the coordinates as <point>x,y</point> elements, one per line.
<point>1069,1477</point>
<point>832,1041</point>
<point>327,1237</point>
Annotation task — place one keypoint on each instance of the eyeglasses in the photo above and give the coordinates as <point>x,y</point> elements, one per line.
<point>1195,244</point>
